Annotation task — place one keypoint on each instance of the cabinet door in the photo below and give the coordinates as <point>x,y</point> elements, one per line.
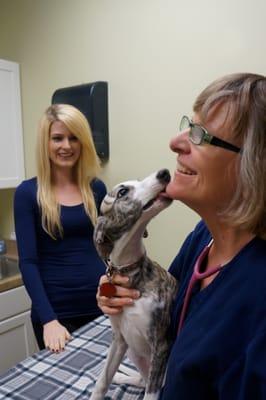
<point>11,142</point>
<point>17,340</point>
<point>13,302</point>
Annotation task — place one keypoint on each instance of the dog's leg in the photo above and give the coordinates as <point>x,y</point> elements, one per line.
<point>134,379</point>
<point>130,376</point>
<point>156,375</point>
<point>142,363</point>
<point>115,355</point>
<point>151,396</point>
<point>159,356</point>
<point>126,370</point>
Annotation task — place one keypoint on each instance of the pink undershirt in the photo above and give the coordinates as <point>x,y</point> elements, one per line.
<point>196,276</point>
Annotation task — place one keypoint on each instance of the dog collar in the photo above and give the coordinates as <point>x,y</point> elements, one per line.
<point>112,269</point>
<point>108,289</point>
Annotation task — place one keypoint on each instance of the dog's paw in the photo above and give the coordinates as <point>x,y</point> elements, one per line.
<point>134,379</point>
<point>151,396</point>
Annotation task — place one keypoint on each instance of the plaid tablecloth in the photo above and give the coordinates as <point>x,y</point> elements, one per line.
<point>68,375</point>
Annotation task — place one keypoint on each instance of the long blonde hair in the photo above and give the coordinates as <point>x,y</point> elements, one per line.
<point>87,167</point>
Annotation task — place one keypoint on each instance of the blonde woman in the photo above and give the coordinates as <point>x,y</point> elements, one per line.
<point>54,217</point>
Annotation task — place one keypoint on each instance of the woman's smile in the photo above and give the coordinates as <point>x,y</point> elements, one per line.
<point>184,170</point>
<point>65,155</point>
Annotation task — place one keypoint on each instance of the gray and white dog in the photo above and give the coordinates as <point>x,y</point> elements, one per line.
<point>141,329</point>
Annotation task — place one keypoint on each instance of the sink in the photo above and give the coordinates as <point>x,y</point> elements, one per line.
<point>8,267</point>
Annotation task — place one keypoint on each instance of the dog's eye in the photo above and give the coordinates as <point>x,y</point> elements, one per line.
<point>122,192</point>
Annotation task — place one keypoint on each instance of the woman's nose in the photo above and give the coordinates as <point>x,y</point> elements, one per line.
<point>180,141</point>
<point>66,143</point>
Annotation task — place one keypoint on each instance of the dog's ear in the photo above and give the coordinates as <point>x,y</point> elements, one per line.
<point>107,203</point>
<point>98,235</point>
<point>103,244</point>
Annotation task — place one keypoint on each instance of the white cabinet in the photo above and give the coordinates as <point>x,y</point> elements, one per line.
<point>17,339</point>
<point>11,139</point>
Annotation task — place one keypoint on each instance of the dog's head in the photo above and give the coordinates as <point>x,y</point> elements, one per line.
<point>126,205</point>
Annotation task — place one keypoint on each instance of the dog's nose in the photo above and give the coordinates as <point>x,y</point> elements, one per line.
<point>163,176</point>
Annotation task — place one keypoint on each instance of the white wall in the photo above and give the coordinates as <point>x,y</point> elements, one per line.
<point>156,56</point>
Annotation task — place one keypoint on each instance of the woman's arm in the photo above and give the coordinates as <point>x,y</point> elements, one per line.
<point>25,211</point>
<point>99,191</point>
<point>25,206</point>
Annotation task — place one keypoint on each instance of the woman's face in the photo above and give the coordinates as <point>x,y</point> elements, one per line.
<point>206,175</point>
<point>64,147</point>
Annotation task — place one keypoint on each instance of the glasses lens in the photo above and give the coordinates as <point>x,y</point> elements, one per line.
<point>196,134</point>
<point>184,124</point>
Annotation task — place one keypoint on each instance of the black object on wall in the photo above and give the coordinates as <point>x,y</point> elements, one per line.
<point>92,100</point>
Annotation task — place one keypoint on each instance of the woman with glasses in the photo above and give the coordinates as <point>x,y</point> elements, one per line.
<point>219,314</point>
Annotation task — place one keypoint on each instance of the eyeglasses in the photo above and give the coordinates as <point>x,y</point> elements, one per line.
<point>199,135</point>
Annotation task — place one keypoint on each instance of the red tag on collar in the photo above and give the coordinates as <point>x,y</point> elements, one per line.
<point>107,289</point>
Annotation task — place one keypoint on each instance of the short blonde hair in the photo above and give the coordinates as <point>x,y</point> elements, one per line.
<point>87,168</point>
<point>245,96</point>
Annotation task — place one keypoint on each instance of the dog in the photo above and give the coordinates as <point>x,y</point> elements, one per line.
<point>141,329</point>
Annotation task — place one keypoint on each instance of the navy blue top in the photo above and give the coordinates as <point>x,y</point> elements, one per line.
<point>221,350</point>
<point>61,276</point>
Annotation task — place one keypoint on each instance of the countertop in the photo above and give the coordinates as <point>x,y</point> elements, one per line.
<point>15,280</point>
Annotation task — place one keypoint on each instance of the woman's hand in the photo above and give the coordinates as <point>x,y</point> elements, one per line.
<point>55,336</point>
<point>123,297</point>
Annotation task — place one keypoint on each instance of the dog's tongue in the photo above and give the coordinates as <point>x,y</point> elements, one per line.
<point>150,203</point>
<point>164,194</point>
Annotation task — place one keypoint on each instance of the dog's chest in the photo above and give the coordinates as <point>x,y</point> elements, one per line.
<point>135,323</point>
